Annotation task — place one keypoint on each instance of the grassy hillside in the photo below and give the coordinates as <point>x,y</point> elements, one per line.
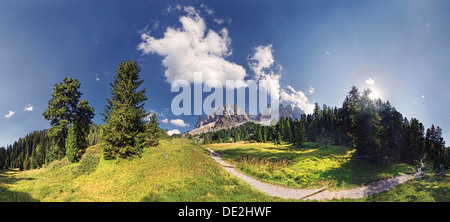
<point>180,170</point>
<point>313,165</point>
<point>176,170</point>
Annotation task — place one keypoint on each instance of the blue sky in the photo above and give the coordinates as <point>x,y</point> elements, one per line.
<point>319,49</point>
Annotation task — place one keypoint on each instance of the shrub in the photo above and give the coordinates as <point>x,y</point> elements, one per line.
<point>89,162</point>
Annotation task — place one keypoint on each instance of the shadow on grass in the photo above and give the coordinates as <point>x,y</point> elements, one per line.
<point>7,195</point>
<point>350,173</point>
<point>237,153</point>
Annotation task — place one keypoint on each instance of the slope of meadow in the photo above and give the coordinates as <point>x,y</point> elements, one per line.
<point>175,170</point>
<point>313,165</point>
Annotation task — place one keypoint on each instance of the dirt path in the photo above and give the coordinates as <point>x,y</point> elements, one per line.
<point>321,193</point>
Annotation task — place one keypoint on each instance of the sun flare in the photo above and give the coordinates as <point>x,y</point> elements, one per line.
<point>374,95</point>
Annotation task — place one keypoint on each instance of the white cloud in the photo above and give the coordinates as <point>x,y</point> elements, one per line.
<point>171,132</point>
<point>171,9</point>
<point>165,120</point>
<point>178,122</point>
<point>207,10</point>
<point>263,65</point>
<point>10,113</point>
<point>219,21</point>
<point>297,98</point>
<point>370,81</point>
<point>155,25</point>
<point>192,48</point>
<point>28,107</point>
<point>327,53</point>
<point>310,90</point>
<point>260,60</point>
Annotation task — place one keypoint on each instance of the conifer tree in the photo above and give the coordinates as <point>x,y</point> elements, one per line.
<point>63,108</point>
<point>259,136</point>
<point>152,133</point>
<point>124,114</point>
<point>72,149</point>
<point>278,138</point>
<point>300,134</point>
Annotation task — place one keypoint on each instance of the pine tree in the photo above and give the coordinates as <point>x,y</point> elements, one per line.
<point>278,138</point>
<point>39,155</point>
<point>72,147</point>
<point>26,162</point>
<point>264,134</point>
<point>124,114</point>
<point>63,108</point>
<point>300,134</point>
<point>206,138</point>
<point>259,137</point>
<point>152,132</point>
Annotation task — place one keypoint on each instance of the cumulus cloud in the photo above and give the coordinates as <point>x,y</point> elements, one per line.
<point>192,48</point>
<point>10,113</point>
<point>263,65</point>
<point>179,122</point>
<point>28,107</point>
<point>260,60</point>
<point>172,132</point>
<point>370,81</point>
<point>165,120</point>
<point>297,98</point>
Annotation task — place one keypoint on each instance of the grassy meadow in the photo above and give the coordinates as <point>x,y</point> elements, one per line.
<point>181,170</point>
<point>313,165</point>
<point>175,170</point>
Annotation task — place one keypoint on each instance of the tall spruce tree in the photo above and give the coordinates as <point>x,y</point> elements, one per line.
<point>63,108</point>
<point>152,133</point>
<point>300,134</point>
<point>124,114</point>
<point>72,150</point>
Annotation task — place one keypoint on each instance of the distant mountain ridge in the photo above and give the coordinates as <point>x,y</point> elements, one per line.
<point>229,116</point>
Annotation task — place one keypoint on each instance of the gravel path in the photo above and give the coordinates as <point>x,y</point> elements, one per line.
<point>321,193</point>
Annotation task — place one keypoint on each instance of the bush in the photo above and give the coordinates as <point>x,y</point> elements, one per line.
<point>89,162</point>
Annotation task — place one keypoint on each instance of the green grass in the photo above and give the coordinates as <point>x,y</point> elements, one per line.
<point>430,188</point>
<point>180,170</point>
<point>311,166</point>
<point>176,170</point>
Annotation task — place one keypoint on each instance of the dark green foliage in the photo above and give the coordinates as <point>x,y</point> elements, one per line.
<point>278,138</point>
<point>152,133</point>
<point>124,114</point>
<point>38,147</point>
<point>64,108</point>
<point>435,146</point>
<point>259,137</point>
<point>88,162</point>
<point>72,147</point>
<point>377,131</point>
<point>299,134</point>
<point>206,138</point>
<point>95,133</point>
